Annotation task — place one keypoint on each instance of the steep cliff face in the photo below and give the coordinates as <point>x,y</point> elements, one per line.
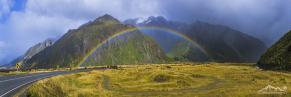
<point>76,44</point>
<point>278,57</point>
<point>37,48</point>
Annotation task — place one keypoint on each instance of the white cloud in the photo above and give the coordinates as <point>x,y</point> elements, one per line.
<point>2,48</point>
<point>5,7</point>
<point>88,9</point>
<point>26,29</point>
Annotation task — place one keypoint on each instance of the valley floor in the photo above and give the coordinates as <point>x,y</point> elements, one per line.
<point>168,80</point>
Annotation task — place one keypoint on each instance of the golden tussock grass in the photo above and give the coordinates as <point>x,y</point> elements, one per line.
<point>168,80</point>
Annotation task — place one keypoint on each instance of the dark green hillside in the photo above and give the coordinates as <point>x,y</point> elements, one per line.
<point>225,44</point>
<point>74,45</point>
<point>222,43</point>
<point>278,57</point>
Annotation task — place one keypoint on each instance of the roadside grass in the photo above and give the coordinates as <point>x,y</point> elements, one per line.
<point>27,71</point>
<point>168,80</point>
<point>14,72</point>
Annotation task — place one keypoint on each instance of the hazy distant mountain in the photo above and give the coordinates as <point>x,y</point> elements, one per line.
<point>226,44</point>
<point>222,43</point>
<point>33,51</point>
<point>278,57</point>
<point>69,50</point>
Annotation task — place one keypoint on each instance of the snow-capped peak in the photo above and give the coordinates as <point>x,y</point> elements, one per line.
<point>140,20</point>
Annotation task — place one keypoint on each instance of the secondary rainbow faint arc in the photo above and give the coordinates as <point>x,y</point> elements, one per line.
<point>167,30</point>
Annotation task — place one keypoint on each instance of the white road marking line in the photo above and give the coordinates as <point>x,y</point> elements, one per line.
<point>23,85</point>
<point>19,78</point>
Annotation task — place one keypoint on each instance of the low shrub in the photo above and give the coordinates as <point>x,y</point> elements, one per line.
<point>161,78</point>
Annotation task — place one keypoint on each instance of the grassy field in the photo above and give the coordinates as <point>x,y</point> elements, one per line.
<point>169,80</point>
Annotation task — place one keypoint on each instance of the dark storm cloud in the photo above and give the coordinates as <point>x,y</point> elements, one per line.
<point>265,19</point>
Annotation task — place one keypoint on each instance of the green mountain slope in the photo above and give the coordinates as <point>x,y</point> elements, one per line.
<point>77,43</point>
<point>278,57</point>
<point>131,48</point>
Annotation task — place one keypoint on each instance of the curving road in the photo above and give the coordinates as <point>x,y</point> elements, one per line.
<point>9,85</point>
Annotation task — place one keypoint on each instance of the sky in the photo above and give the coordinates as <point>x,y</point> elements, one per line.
<point>23,23</point>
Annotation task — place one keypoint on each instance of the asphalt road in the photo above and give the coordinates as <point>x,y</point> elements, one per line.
<point>10,84</point>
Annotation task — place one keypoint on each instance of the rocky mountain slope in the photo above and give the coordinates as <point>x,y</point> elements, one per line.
<point>33,51</point>
<point>278,57</point>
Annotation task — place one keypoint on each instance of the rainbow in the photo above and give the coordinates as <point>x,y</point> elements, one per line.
<point>142,28</point>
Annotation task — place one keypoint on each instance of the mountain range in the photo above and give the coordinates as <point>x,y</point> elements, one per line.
<point>78,46</point>
<point>222,43</point>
